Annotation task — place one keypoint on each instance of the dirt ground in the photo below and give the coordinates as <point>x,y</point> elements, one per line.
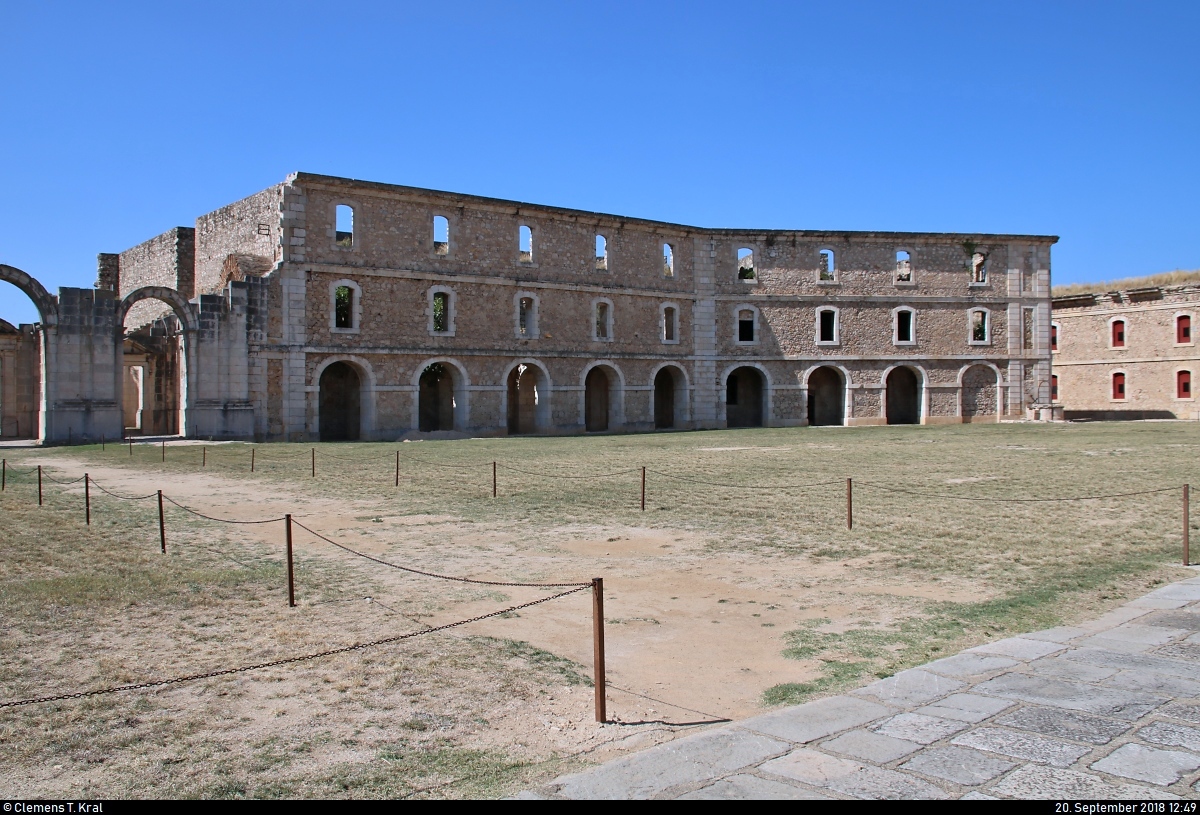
<point>711,611</point>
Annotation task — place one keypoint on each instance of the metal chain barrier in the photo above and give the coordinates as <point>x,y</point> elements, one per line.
<point>434,574</point>
<point>361,646</point>
<point>49,477</point>
<point>123,497</point>
<point>221,520</point>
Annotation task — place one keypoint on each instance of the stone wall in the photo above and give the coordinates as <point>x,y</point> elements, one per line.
<point>20,380</point>
<point>248,229</point>
<point>1150,358</point>
<point>166,260</point>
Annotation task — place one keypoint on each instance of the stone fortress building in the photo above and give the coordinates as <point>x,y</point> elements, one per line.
<point>329,308</point>
<point>1127,354</point>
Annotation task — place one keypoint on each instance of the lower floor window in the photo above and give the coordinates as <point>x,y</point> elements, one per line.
<point>1183,385</point>
<point>1118,386</point>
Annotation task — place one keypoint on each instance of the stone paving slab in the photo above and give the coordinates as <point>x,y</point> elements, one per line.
<point>1108,709</point>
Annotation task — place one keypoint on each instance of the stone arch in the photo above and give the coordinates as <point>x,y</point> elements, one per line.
<point>46,303</point>
<point>754,410</point>
<point>680,389</point>
<point>182,308</point>
<point>526,400</point>
<point>458,391</point>
<point>904,394</point>
<point>366,377</point>
<point>183,393</point>
<point>979,392</point>
<point>826,387</point>
<point>603,396</point>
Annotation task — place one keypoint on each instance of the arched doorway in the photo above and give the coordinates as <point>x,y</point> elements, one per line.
<point>744,398</point>
<point>436,397</point>
<point>526,402</point>
<point>596,398</point>
<point>903,397</point>
<point>159,329</point>
<point>980,394</point>
<point>670,398</point>
<point>340,403</point>
<point>826,397</point>
<point>25,357</point>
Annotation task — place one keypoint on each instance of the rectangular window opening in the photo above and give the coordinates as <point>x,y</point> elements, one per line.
<point>1053,388</point>
<point>525,245</point>
<point>344,226</point>
<point>745,326</point>
<point>669,324</point>
<point>745,264</point>
<point>525,316</point>
<point>979,270</point>
<point>441,311</point>
<point>1118,386</point>
<point>828,326</point>
<point>441,235</point>
<point>602,321</point>
<point>1118,333</point>
<point>979,326</point>
<point>903,267</point>
<point>1053,337</point>
<point>904,326</point>
<point>828,269</point>
<point>1183,385</point>
<point>668,261</point>
<point>601,253</point>
<point>1183,329</point>
<point>343,307</point>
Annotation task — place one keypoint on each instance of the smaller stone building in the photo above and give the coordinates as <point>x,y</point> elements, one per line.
<point>1127,354</point>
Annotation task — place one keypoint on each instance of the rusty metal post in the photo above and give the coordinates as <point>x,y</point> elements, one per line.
<point>314,462</point>
<point>204,457</point>
<point>252,451</point>
<point>598,647</point>
<point>1186,521</point>
<point>849,504</point>
<point>291,580</point>
<point>39,485</point>
<point>493,479</point>
<point>397,468</point>
<point>643,489</point>
<point>162,524</point>
<point>87,498</point>
<point>164,450</point>
<point>131,446</point>
<point>101,442</point>
<point>3,474</point>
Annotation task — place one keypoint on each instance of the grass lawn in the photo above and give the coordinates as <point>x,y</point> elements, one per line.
<point>739,586</point>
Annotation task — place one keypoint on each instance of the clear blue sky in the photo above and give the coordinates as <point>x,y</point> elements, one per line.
<point>1077,119</point>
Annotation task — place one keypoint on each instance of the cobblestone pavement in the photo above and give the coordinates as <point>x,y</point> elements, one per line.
<point>1108,709</point>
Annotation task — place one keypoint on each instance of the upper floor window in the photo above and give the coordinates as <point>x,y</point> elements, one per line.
<point>441,235</point>
<point>525,244</point>
<point>1118,386</point>
<point>905,327</point>
<point>344,226</point>
<point>670,324</point>
<point>1054,387</point>
<point>903,267</point>
<point>979,327</point>
<point>1118,333</point>
<point>746,325</point>
<point>827,326</point>
<point>346,306</point>
<point>1053,336</point>
<point>745,262</point>
<point>441,310</point>
<point>668,260</point>
<point>979,269</point>
<point>527,316</point>
<point>1183,329</point>
<point>601,253</point>
<point>603,322</point>
<point>827,267</point>
<point>1183,384</point>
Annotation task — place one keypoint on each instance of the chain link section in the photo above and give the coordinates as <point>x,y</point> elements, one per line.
<point>360,646</point>
<point>220,520</point>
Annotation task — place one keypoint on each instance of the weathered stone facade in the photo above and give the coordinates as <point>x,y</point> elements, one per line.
<point>1128,354</point>
<point>510,317</point>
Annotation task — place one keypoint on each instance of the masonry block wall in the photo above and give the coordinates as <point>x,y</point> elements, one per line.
<point>166,260</point>
<point>20,383</point>
<point>1145,336</point>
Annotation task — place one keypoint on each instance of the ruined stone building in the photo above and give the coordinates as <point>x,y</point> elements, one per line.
<point>329,308</point>
<point>1127,354</point>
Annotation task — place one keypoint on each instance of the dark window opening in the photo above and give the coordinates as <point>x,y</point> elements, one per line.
<point>1183,329</point>
<point>1183,385</point>
<point>1118,386</point>
<point>602,321</point>
<point>1053,337</point>
<point>1053,388</point>
<point>828,326</point>
<point>669,324</point>
<point>904,326</point>
<point>344,226</point>
<point>745,264</point>
<point>343,307</point>
<point>979,326</point>
<point>527,317</point>
<point>1118,333</point>
<point>441,311</point>
<point>745,326</point>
